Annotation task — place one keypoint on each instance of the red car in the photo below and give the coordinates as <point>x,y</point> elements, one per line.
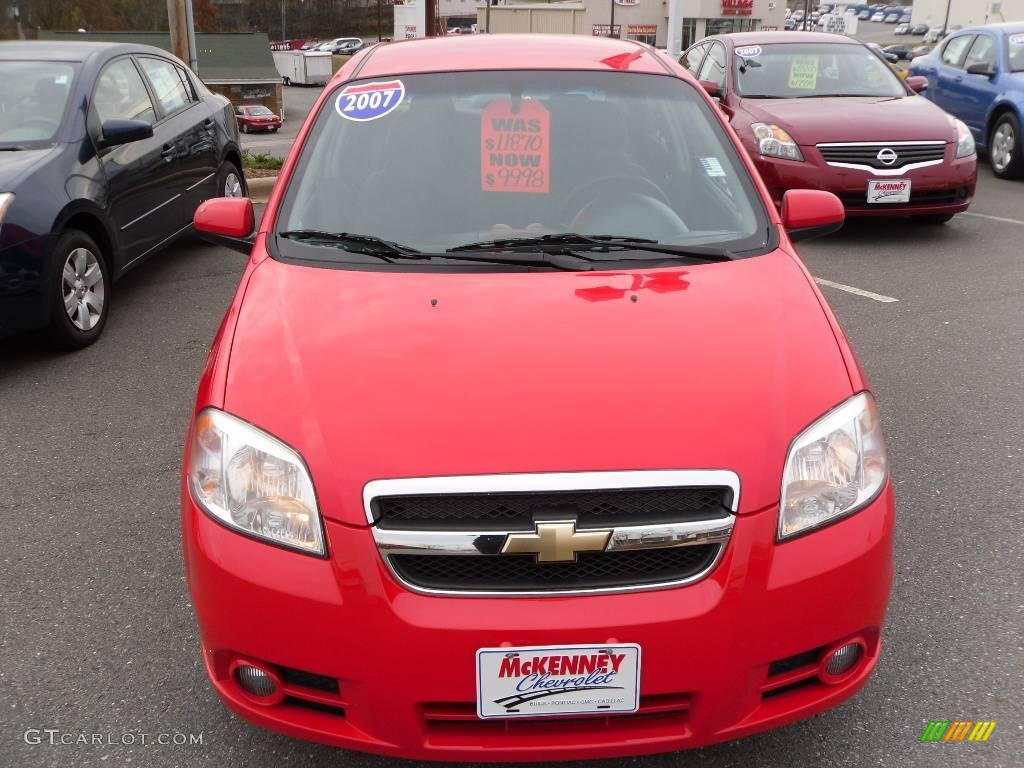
<point>256,118</point>
<point>514,446</point>
<point>821,111</point>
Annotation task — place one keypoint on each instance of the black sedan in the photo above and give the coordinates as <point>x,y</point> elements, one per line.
<point>919,29</point>
<point>106,150</point>
<point>899,51</point>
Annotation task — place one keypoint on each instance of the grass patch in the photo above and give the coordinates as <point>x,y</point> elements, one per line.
<point>261,161</point>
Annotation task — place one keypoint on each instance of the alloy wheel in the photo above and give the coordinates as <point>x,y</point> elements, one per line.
<point>232,185</point>
<point>83,289</point>
<point>1002,146</point>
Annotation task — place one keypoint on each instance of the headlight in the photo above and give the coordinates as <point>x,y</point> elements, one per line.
<point>254,483</point>
<point>835,467</point>
<point>964,139</point>
<point>772,141</point>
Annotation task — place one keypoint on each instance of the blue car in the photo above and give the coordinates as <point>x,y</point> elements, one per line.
<point>977,75</point>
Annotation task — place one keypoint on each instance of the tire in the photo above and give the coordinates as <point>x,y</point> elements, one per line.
<point>245,127</point>
<point>934,219</point>
<point>273,130</point>
<point>226,187</point>
<point>79,287</point>
<point>1006,147</point>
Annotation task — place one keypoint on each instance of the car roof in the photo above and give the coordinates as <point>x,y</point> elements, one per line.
<point>509,52</point>
<point>1007,26</point>
<point>764,38</point>
<point>62,50</point>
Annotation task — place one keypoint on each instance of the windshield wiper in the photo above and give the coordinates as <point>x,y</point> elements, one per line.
<point>365,244</point>
<point>571,242</point>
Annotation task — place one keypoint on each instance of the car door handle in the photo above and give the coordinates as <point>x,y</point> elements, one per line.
<point>208,122</point>
<point>958,78</point>
<point>168,153</point>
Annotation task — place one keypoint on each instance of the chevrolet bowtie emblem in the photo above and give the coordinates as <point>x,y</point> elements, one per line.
<point>556,542</point>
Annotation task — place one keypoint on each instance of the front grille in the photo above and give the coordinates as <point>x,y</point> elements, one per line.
<point>592,570</point>
<point>867,154</point>
<point>791,663</point>
<point>518,511</point>
<point>309,680</point>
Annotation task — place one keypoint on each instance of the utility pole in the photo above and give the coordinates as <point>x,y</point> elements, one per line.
<point>487,17</point>
<point>611,25</point>
<point>177,21</point>
<point>675,28</point>
<point>284,35</point>
<point>945,23</point>
<point>378,20</point>
<point>193,56</point>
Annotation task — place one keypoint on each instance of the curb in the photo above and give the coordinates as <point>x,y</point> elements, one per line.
<point>260,189</point>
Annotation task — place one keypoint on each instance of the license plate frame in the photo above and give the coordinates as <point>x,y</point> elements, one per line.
<point>585,690</point>
<point>888,191</point>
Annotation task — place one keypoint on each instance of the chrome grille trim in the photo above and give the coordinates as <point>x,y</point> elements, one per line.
<point>716,531</point>
<point>860,155</point>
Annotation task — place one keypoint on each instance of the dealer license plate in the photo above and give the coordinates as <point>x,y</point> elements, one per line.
<point>557,680</point>
<point>889,191</point>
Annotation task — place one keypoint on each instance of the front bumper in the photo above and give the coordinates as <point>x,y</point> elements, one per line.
<point>936,189</point>
<point>404,662</point>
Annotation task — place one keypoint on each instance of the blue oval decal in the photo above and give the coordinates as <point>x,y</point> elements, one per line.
<point>369,101</point>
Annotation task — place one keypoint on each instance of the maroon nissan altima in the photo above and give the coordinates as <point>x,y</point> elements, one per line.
<point>821,111</point>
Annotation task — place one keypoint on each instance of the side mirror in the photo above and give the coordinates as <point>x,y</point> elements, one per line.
<point>808,213</point>
<point>228,221</point>
<point>113,133</point>
<point>710,87</point>
<point>917,83</point>
<point>981,69</point>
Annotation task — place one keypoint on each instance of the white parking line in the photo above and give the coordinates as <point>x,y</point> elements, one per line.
<point>857,291</point>
<point>993,218</point>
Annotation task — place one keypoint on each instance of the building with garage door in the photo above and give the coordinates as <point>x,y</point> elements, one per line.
<point>643,20</point>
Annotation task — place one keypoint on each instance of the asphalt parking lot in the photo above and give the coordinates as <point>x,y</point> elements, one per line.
<point>298,101</point>
<point>97,634</point>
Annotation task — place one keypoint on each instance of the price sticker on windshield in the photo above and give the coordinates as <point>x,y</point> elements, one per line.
<point>803,73</point>
<point>515,147</point>
<point>369,101</point>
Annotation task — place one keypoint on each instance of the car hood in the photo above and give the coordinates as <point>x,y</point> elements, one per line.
<point>15,165</point>
<point>373,375</point>
<point>813,120</point>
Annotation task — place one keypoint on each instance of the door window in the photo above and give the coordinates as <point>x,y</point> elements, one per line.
<point>122,95</point>
<point>953,53</point>
<point>171,92</point>
<point>692,58</point>
<point>713,68</point>
<point>982,52</point>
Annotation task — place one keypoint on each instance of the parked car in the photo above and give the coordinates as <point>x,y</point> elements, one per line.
<point>798,15</point>
<point>105,152</point>
<point>890,58</point>
<point>486,515</point>
<point>920,50</point>
<point>892,18</point>
<point>919,29</point>
<point>879,16</point>
<point>256,117</point>
<point>864,15</point>
<point>331,45</point>
<point>902,29</point>
<point>977,74</point>
<point>789,25</point>
<point>348,47</point>
<point>899,51</point>
<point>905,18</point>
<point>805,105</point>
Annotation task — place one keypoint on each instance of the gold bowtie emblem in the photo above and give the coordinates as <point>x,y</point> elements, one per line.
<point>555,542</point>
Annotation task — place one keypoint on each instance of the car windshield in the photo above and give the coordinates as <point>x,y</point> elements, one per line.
<point>801,70</point>
<point>259,111</point>
<point>33,98</point>
<point>1016,50</point>
<point>432,162</point>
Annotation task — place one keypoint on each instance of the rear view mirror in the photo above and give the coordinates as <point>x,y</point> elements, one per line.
<point>983,69</point>
<point>808,213</point>
<point>113,133</point>
<point>228,221</point>
<point>917,83</point>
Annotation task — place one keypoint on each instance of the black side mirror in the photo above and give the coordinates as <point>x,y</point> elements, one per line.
<point>113,133</point>
<point>981,69</point>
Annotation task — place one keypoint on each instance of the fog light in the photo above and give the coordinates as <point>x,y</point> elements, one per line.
<point>261,684</point>
<point>840,662</point>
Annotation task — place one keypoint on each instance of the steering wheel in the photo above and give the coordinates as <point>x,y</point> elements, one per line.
<point>606,186</point>
<point>43,122</point>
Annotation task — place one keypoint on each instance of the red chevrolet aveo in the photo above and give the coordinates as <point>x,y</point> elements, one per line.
<point>528,435</point>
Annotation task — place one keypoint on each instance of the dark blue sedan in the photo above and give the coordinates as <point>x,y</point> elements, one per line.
<point>977,75</point>
<point>106,150</point>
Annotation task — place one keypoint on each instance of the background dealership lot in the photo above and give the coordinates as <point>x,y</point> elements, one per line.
<point>98,635</point>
